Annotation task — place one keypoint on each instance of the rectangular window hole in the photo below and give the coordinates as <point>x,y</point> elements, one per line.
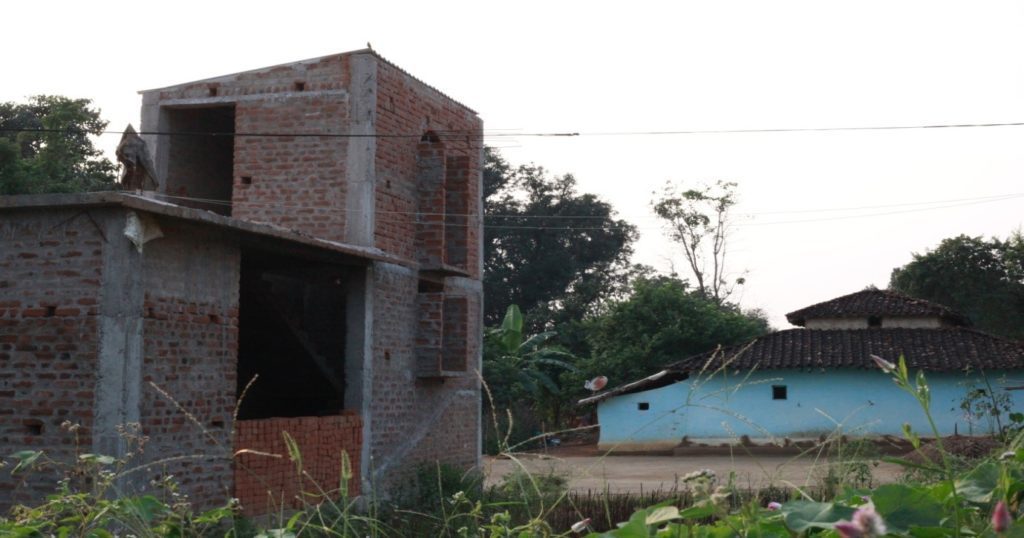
<point>300,86</point>
<point>51,311</point>
<point>779,392</point>
<point>643,406</point>
<point>246,180</point>
<point>217,424</point>
<point>429,286</point>
<point>212,90</point>
<point>33,427</point>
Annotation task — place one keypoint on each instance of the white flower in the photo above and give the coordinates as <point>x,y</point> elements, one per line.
<point>580,526</point>
<point>885,365</point>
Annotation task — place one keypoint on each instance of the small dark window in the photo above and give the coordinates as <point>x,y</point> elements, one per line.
<point>246,180</point>
<point>300,86</point>
<point>212,90</point>
<point>51,311</point>
<point>779,392</point>
<point>643,406</point>
<point>874,321</point>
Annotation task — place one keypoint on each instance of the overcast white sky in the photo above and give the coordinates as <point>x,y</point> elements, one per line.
<point>597,67</point>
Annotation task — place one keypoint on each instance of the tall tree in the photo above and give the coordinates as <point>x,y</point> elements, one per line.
<point>698,220</point>
<point>662,321</point>
<point>46,146</point>
<point>983,279</point>
<point>550,249</point>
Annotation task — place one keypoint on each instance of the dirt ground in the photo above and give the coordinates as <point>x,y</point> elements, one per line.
<point>636,473</point>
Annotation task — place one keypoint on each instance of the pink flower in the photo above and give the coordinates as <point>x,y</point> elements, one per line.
<point>580,526</point>
<point>848,530</point>
<point>866,524</point>
<point>1001,517</point>
<point>774,506</point>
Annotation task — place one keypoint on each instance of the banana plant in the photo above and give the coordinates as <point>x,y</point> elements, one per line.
<point>511,356</point>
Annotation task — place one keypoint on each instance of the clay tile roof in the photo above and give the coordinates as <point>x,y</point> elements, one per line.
<point>947,349</point>
<point>872,302</point>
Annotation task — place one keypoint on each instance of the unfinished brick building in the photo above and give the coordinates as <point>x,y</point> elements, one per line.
<point>317,226</point>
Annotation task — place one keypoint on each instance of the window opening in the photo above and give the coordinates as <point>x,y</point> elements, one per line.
<point>643,406</point>
<point>292,335</point>
<point>779,392</point>
<point>200,161</point>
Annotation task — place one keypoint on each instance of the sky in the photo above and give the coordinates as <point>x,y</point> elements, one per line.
<point>614,67</point>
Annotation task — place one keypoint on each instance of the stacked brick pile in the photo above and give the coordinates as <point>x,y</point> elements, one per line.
<point>265,483</point>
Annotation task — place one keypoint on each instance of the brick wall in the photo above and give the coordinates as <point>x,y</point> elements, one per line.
<point>417,420</point>
<point>50,270</point>
<point>190,345</point>
<point>407,106</point>
<point>295,182</point>
<point>266,479</point>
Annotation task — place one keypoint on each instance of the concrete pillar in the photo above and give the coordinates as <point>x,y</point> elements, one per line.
<point>360,164</point>
<point>359,360</point>
<point>119,369</point>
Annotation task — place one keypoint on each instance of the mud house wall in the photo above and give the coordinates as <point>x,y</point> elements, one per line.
<point>51,270</point>
<point>297,182</point>
<point>721,409</point>
<point>190,326</point>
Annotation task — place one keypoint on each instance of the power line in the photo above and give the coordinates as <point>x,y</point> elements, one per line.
<point>556,134</point>
<point>962,203</point>
<point>955,201</point>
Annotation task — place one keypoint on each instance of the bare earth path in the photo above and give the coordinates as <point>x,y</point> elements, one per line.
<point>631,473</point>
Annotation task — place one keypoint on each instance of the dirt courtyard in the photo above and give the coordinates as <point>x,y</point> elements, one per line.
<point>633,473</point>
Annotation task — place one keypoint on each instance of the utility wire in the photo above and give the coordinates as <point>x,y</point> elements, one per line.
<point>534,134</point>
<point>627,226</point>
<point>954,201</point>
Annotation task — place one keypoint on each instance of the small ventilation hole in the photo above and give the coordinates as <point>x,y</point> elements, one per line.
<point>33,427</point>
<point>246,180</point>
<point>300,86</point>
<point>213,91</point>
<point>51,311</point>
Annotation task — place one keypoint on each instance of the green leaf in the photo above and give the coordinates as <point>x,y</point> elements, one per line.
<point>802,515</point>
<point>26,458</point>
<point>978,485</point>
<point>98,459</point>
<point>698,511</point>
<point>661,515</point>
<point>907,463</point>
<point>903,507</point>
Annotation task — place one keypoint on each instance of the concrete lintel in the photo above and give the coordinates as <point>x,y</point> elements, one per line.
<point>222,100</point>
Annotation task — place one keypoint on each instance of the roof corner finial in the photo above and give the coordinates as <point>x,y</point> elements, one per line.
<point>369,46</point>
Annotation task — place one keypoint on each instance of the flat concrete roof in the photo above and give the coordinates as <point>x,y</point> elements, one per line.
<point>230,76</point>
<point>200,216</point>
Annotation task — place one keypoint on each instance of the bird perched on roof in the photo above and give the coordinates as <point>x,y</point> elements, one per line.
<point>137,169</point>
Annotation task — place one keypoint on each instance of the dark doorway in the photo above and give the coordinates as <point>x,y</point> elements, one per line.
<point>292,335</point>
<point>201,156</point>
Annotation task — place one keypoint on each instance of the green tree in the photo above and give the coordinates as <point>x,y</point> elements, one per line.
<point>698,220</point>
<point>983,279</point>
<point>661,322</point>
<point>45,147</point>
<point>554,251</point>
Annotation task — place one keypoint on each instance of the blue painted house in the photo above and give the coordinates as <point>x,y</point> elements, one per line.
<point>817,379</point>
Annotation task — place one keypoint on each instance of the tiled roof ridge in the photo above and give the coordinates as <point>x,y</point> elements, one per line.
<point>841,307</point>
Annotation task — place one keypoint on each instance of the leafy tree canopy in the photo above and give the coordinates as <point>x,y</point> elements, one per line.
<point>661,322</point>
<point>62,160</point>
<point>983,279</point>
<point>554,251</point>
